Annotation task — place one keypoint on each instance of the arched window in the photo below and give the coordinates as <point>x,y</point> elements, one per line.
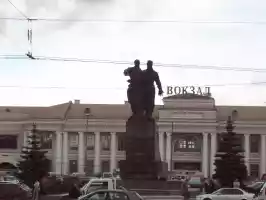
<point>191,144</point>
<point>182,144</point>
<point>187,144</point>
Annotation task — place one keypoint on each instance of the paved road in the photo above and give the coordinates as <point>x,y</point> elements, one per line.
<point>176,197</point>
<point>166,198</point>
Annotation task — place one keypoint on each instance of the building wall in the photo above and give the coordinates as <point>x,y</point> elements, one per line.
<point>187,138</point>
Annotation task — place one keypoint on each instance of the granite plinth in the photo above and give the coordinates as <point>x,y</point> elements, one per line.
<point>142,161</point>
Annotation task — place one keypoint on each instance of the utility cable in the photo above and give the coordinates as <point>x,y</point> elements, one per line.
<point>25,16</point>
<point>116,62</point>
<point>134,21</point>
<point>121,88</point>
<point>29,32</point>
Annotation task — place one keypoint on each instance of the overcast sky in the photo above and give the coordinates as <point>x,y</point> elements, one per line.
<point>203,44</point>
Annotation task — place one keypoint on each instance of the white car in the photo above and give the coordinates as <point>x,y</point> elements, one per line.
<point>227,194</point>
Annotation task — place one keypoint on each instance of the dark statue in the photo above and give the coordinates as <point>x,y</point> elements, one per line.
<point>141,90</point>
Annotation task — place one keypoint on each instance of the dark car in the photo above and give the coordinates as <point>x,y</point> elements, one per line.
<point>14,190</point>
<point>255,187</point>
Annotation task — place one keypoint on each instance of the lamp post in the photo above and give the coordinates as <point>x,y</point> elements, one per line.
<point>87,113</point>
<point>232,118</point>
<point>172,131</point>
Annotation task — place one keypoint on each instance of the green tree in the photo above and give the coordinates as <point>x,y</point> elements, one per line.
<point>230,164</point>
<point>33,164</point>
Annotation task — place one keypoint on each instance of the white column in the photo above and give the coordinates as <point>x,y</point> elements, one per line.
<point>247,151</point>
<point>97,152</point>
<point>213,152</point>
<point>65,153</point>
<point>169,150</point>
<point>113,152</point>
<point>81,153</point>
<point>262,156</point>
<point>205,155</point>
<point>161,146</point>
<point>58,159</point>
<point>25,138</point>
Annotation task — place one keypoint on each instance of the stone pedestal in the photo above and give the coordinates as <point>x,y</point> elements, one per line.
<point>142,155</point>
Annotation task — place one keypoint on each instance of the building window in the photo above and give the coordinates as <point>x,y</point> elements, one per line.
<point>73,141</point>
<point>90,141</point>
<point>254,143</point>
<point>46,140</point>
<point>121,141</point>
<point>190,144</point>
<point>254,170</point>
<point>8,142</point>
<point>188,166</point>
<point>73,166</point>
<point>89,167</point>
<point>105,141</point>
<point>182,144</point>
<point>105,166</point>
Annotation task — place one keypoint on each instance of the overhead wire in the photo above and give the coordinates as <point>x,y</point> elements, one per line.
<point>25,16</point>
<point>29,31</point>
<point>122,88</point>
<point>30,56</point>
<point>133,21</point>
<point>117,62</point>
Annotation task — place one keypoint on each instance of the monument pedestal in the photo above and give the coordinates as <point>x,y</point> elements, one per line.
<point>142,155</point>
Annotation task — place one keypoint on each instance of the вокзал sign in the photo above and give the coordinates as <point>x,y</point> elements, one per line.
<point>184,90</point>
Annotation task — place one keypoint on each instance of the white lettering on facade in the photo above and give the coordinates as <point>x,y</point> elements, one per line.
<point>184,90</point>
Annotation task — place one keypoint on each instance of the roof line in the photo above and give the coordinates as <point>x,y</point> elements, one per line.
<point>67,110</point>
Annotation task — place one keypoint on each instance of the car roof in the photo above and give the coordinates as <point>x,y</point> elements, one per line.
<point>103,190</point>
<point>8,182</point>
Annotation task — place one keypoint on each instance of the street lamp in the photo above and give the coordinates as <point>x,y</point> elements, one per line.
<point>231,119</point>
<point>87,113</point>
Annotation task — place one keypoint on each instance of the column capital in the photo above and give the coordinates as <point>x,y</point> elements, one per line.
<point>80,132</point>
<point>160,133</point>
<point>213,134</point>
<point>262,135</point>
<point>113,133</point>
<point>58,132</point>
<point>97,133</point>
<point>169,134</point>
<point>205,134</point>
<point>247,134</point>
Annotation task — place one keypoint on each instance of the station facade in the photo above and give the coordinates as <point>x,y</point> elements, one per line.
<point>90,138</point>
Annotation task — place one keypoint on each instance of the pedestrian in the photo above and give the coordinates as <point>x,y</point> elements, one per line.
<point>207,186</point>
<point>74,191</point>
<point>36,190</point>
<point>184,190</point>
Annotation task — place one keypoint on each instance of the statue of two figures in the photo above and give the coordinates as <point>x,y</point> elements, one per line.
<point>141,90</point>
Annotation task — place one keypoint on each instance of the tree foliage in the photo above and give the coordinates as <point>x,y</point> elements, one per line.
<point>229,162</point>
<point>33,164</point>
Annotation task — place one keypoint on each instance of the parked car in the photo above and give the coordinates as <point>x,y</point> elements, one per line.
<point>195,182</point>
<point>14,190</point>
<point>255,187</point>
<point>111,194</point>
<point>227,193</point>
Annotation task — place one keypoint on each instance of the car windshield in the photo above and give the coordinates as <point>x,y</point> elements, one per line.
<point>257,184</point>
<point>217,192</point>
